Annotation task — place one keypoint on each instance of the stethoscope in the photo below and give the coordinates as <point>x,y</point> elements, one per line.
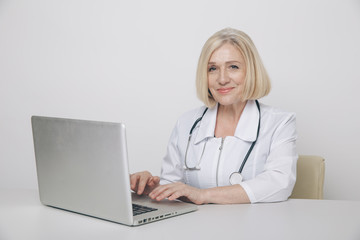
<point>235,177</point>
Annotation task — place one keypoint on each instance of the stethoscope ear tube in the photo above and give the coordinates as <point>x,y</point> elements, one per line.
<point>197,167</point>
<point>186,167</point>
<point>196,122</point>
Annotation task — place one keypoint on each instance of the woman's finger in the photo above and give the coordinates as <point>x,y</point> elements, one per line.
<point>134,178</point>
<point>153,181</point>
<point>142,184</point>
<point>165,191</point>
<point>156,180</point>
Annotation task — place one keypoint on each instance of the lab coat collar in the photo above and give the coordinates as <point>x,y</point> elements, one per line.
<point>246,129</point>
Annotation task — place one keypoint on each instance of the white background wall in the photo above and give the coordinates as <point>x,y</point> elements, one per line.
<point>135,62</point>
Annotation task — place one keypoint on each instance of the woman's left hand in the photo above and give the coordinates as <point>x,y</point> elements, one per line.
<point>177,190</point>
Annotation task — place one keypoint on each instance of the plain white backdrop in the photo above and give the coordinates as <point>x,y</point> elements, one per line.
<point>135,62</point>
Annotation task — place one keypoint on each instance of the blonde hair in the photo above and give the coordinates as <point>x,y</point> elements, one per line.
<point>257,83</point>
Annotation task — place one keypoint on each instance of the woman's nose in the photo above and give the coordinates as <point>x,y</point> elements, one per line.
<point>223,77</point>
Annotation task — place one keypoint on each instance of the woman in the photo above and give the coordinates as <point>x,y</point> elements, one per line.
<point>234,150</point>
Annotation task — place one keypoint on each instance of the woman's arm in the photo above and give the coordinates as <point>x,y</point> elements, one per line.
<point>278,178</point>
<point>226,195</point>
<point>220,195</point>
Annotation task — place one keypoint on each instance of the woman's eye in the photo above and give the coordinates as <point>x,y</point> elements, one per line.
<point>234,67</point>
<point>212,69</point>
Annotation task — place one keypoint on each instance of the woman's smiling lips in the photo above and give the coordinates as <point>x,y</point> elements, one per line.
<point>224,90</point>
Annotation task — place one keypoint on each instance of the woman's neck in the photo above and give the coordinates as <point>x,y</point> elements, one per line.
<point>227,119</point>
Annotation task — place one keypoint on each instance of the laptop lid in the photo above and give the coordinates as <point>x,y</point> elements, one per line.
<point>82,167</point>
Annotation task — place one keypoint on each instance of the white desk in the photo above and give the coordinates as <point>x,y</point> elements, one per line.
<point>23,217</point>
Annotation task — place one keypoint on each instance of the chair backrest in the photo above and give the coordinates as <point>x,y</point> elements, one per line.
<point>310,178</point>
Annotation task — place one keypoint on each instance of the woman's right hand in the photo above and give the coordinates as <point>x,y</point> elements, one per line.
<point>143,182</point>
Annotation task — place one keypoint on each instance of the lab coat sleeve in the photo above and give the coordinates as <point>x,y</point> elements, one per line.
<point>172,169</point>
<point>277,180</point>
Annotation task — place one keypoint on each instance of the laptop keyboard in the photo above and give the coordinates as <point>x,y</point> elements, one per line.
<point>138,209</point>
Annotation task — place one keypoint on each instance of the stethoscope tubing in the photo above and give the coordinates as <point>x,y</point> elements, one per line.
<point>254,142</point>
<point>197,167</point>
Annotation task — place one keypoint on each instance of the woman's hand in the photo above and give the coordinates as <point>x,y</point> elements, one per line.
<point>179,190</point>
<point>143,182</point>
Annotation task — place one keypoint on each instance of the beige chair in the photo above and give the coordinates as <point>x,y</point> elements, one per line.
<point>310,178</point>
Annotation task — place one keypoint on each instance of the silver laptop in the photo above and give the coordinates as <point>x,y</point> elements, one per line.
<point>82,166</point>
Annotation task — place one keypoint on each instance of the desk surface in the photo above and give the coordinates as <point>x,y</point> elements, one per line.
<point>23,217</point>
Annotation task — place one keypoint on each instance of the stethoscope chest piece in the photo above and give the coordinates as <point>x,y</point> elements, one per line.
<point>235,178</point>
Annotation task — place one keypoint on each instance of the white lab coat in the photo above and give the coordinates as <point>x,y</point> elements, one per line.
<point>270,171</point>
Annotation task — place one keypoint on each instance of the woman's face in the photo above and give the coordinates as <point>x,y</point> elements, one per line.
<point>226,74</point>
